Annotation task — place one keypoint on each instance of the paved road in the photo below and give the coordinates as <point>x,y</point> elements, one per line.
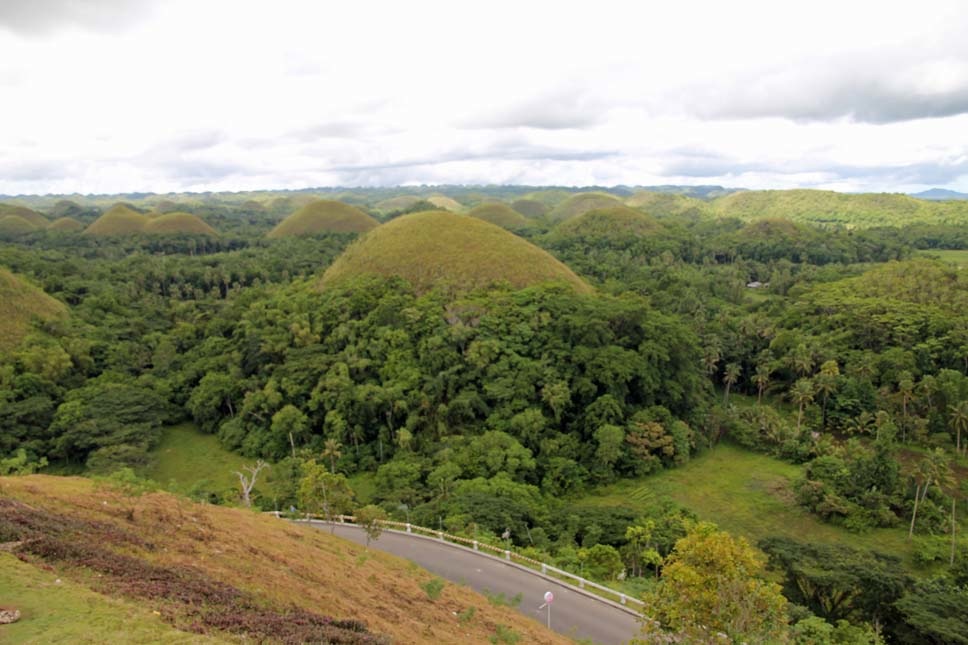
<point>572,613</point>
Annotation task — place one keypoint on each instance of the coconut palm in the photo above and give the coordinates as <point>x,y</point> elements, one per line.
<point>730,376</point>
<point>802,395</point>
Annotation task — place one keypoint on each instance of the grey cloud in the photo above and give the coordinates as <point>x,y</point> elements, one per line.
<point>559,110</point>
<point>27,171</point>
<point>188,142</point>
<point>40,17</point>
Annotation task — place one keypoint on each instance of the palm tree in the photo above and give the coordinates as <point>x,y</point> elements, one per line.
<point>331,450</point>
<point>905,388</point>
<point>958,420</point>
<point>801,359</point>
<point>762,380</point>
<point>801,394</point>
<point>827,384</point>
<point>933,468</point>
<point>730,376</point>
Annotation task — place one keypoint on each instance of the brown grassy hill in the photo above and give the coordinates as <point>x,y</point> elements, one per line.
<point>441,249</point>
<point>396,204</point>
<point>228,573</point>
<point>65,208</point>
<point>13,225</point>
<point>615,223</point>
<point>167,206</point>
<point>20,303</point>
<point>500,214</point>
<point>120,219</point>
<point>666,204</point>
<point>178,223</point>
<point>446,203</point>
<point>530,208</point>
<point>65,225</point>
<point>324,216</point>
<point>582,203</point>
<point>28,214</point>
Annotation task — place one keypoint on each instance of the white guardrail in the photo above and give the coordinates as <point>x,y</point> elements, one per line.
<point>507,554</point>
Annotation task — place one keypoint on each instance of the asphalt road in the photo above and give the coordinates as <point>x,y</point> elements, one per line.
<point>573,613</point>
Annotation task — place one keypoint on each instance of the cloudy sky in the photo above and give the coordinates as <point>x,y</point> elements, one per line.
<point>173,95</point>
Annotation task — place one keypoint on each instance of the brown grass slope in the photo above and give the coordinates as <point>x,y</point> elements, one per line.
<point>13,225</point>
<point>531,208</point>
<point>120,219</point>
<point>582,203</point>
<point>500,214</point>
<point>28,214</point>
<point>178,223</point>
<point>443,202</point>
<point>65,225</point>
<point>232,572</point>
<point>21,303</point>
<point>396,204</point>
<point>457,253</point>
<point>665,204</point>
<point>614,223</point>
<point>324,216</point>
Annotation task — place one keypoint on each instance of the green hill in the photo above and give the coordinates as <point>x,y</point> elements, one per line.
<point>28,214</point>
<point>65,225</point>
<point>21,303</point>
<point>446,203</point>
<point>178,223</point>
<point>120,219</point>
<point>608,224</point>
<point>441,249</point>
<point>66,208</point>
<point>582,203</point>
<point>666,204</point>
<point>14,225</point>
<point>531,208</point>
<point>324,216</point>
<point>396,204</point>
<point>827,207</point>
<point>501,215</point>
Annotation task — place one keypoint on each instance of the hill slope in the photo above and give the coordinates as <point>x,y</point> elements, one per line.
<point>65,225</point>
<point>582,203</point>
<point>324,216</point>
<point>178,223</point>
<point>232,573</point>
<point>500,214</point>
<point>120,219</point>
<point>20,303</point>
<point>666,204</point>
<point>608,224</point>
<point>441,249</point>
<point>13,225</point>
<point>28,214</point>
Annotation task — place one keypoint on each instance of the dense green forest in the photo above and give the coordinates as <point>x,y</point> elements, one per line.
<point>452,383</point>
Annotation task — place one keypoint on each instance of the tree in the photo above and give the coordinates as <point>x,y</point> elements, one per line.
<point>958,420</point>
<point>826,383</point>
<point>331,450</point>
<point>711,582</point>
<point>369,518</point>
<point>730,376</point>
<point>933,468</point>
<point>291,422</point>
<point>320,489</point>
<point>801,394</point>
<point>762,380</point>
<point>247,483</point>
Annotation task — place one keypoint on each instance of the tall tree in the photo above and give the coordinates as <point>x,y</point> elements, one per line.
<point>802,395</point>
<point>730,377</point>
<point>958,420</point>
<point>762,380</point>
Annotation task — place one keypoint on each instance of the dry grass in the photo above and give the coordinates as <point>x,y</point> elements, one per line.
<point>259,566</point>
<point>28,214</point>
<point>440,249</point>
<point>444,202</point>
<point>500,214</point>
<point>530,208</point>
<point>582,203</point>
<point>665,204</point>
<point>396,204</point>
<point>21,303</point>
<point>117,220</point>
<point>65,225</point>
<point>13,225</point>
<point>178,223</point>
<point>324,216</point>
<point>615,223</point>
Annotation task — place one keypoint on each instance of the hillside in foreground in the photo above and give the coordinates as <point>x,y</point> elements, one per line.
<point>178,571</point>
<point>20,303</point>
<point>441,249</point>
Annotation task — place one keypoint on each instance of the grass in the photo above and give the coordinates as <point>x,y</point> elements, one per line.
<point>446,203</point>
<point>54,610</point>
<point>216,570</point>
<point>65,225</point>
<point>582,203</point>
<point>117,220</point>
<point>187,458</point>
<point>324,216</point>
<point>32,216</point>
<point>747,494</point>
<point>665,204</point>
<point>177,222</point>
<point>500,214</point>
<point>21,303</point>
<point>14,225</point>
<point>957,257</point>
<point>616,223</point>
<point>441,249</point>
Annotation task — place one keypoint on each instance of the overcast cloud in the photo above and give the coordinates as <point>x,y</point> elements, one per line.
<point>122,95</point>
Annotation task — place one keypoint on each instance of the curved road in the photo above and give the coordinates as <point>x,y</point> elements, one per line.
<point>573,613</point>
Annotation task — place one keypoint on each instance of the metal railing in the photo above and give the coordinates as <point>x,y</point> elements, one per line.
<point>504,553</point>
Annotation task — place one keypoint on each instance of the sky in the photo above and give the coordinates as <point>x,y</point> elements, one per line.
<point>109,96</point>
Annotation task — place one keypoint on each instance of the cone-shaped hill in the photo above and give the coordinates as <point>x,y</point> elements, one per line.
<point>613,224</point>
<point>21,302</point>
<point>530,208</point>
<point>120,219</point>
<point>66,208</point>
<point>396,204</point>
<point>665,204</point>
<point>28,214</point>
<point>324,216</point>
<point>13,225</point>
<point>441,249</point>
<point>500,214</point>
<point>582,203</point>
<point>444,202</point>
<point>66,225</point>
<point>178,223</point>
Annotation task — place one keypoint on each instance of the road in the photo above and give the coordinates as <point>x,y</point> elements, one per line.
<point>573,613</point>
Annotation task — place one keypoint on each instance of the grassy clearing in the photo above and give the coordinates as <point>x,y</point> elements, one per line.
<point>746,494</point>
<point>54,610</point>
<point>956,257</point>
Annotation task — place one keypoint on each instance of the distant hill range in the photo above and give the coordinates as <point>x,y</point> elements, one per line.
<point>940,194</point>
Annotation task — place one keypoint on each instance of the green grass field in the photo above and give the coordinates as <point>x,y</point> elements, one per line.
<point>957,257</point>
<point>746,494</point>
